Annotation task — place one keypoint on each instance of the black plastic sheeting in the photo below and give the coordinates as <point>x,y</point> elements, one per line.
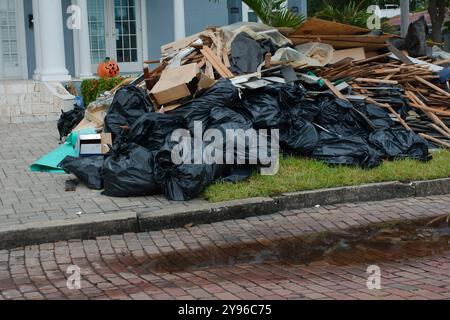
<point>247,53</point>
<point>416,39</point>
<point>88,170</point>
<point>129,104</point>
<point>129,172</point>
<point>69,120</point>
<point>348,150</point>
<point>400,143</point>
<point>325,128</point>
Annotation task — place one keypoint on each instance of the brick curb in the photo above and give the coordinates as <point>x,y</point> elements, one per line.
<point>129,221</point>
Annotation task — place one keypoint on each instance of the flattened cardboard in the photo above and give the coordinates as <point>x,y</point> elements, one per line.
<point>173,84</point>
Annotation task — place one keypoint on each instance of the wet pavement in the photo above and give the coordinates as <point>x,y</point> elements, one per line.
<point>280,256</point>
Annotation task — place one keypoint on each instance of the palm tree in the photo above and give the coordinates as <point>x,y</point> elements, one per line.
<point>274,13</point>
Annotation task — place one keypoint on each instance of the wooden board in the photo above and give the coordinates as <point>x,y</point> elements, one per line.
<point>319,26</point>
<point>337,44</point>
<point>218,65</point>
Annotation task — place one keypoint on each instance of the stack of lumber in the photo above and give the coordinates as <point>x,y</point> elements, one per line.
<point>210,54</point>
<point>415,83</point>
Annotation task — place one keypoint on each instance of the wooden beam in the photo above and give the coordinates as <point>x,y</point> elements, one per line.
<point>432,86</point>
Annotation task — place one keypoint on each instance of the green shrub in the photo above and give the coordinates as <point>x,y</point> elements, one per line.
<point>92,88</point>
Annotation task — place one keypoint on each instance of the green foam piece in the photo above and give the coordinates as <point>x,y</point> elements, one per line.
<point>49,163</point>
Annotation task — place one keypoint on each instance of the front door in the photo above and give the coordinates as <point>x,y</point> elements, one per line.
<point>12,51</point>
<point>115,31</point>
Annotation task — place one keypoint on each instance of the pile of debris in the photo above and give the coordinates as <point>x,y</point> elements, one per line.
<point>359,105</point>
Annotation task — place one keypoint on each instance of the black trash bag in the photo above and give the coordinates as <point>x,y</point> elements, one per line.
<point>223,94</point>
<point>306,110</point>
<point>129,172</point>
<point>129,104</point>
<point>400,143</point>
<point>416,39</point>
<point>380,118</point>
<point>69,120</point>
<point>262,107</point>
<point>349,150</point>
<point>87,169</point>
<point>247,53</point>
<point>300,137</point>
<point>333,110</point>
<point>185,181</point>
<point>292,97</point>
<point>151,129</point>
<point>341,118</point>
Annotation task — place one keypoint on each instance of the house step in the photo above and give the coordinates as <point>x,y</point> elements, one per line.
<point>32,101</point>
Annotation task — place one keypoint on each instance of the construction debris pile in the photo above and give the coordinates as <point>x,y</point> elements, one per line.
<point>336,93</point>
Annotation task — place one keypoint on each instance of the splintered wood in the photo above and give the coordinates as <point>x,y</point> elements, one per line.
<point>392,84</point>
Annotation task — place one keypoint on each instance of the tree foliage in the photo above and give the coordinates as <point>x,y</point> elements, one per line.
<point>274,13</point>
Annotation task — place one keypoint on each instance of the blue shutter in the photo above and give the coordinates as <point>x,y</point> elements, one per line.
<point>234,11</point>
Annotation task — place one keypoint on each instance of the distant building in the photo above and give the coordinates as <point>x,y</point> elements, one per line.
<point>41,41</point>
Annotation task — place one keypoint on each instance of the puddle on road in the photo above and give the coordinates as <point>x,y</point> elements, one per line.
<point>359,246</point>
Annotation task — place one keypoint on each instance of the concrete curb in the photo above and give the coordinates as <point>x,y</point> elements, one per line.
<point>62,230</point>
<point>89,227</point>
<point>154,221</point>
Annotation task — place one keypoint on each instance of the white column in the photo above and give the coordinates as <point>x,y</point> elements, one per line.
<point>50,34</point>
<point>82,45</point>
<point>404,6</point>
<point>179,19</point>
<point>37,40</point>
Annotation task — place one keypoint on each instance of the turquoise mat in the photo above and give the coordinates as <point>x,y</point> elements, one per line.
<point>49,163</point>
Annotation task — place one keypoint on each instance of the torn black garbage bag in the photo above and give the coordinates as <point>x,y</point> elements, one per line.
<point>129,104</point>
<point>69,120</point>
<point>129,172</point>
<point>399,143</point>
<point>151,129</point>
<point>87,169</point>
<point>350,150</point>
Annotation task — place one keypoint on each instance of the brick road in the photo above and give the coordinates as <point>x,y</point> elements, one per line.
<point>170,264</point>
<point>27,197</point>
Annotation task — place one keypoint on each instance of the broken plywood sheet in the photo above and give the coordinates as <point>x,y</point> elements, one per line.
<point>355,53</point>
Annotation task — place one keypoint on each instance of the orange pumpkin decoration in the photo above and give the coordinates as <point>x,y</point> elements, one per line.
<point>108,69</point>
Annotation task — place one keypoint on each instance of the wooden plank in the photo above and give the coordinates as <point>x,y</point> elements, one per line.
<point>435,140</point>
<point>341,44</point>
<point>333,89</point>
<point>399,54</point>
<point>375,81</point>
<point>432,86</point>
<point>215,62</point>
<point>429,114</point>
<point>391,110</point>
<point>319,26</point>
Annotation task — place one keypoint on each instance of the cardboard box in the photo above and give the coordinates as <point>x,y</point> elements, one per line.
<point>175,84</point>
<point>93,144</point>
